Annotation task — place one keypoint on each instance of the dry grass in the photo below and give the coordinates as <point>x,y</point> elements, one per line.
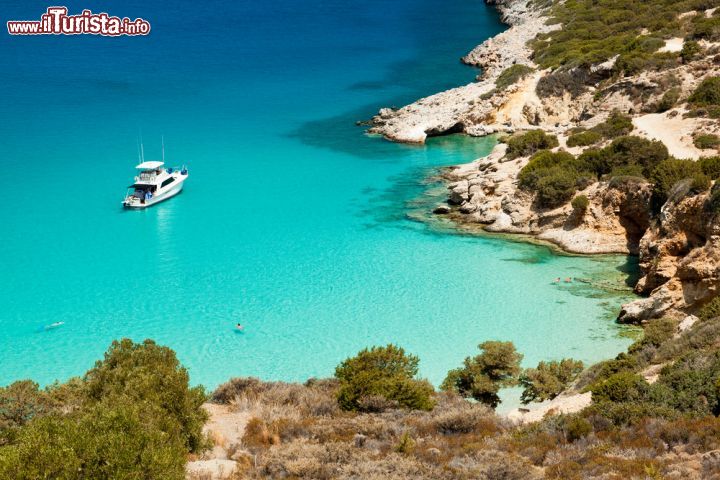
<point>296,432</point>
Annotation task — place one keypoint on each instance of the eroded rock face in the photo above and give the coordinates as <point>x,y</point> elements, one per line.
<point>679,260</point>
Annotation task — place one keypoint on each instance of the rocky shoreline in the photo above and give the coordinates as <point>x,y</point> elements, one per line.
<point>678,254</point>
<point>473,108</point>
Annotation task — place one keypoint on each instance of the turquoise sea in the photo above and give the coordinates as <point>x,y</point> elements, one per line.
<point>293,222</point>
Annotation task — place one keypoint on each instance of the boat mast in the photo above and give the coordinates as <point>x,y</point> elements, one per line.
<point>162,141</point>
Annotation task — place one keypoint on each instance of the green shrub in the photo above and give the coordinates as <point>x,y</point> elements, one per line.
<point>482,376</point>
<point>556,187</point>
<point>668,100</point>
<point>147,372</point>
<point>583,139</point>
<point>527,143</point>
<point>555,177</point>
<point>593,32</point>
<point>705,28</point>
<point>580,203</point>
<point>710,310</point>
<point>548,380</point>
<point>20,402</point>
<point>616,125</point>
<point>700,183</point>
<point>512,75</point>
<point>706,141</point>
<point>656,332</point>
<point>710,166</point>
<point>639,154</point>
<point>620,387</point>
<point>623,362</point>
<point>576,427</point>
<point>385,373</point>
<point>629,413</point>
<point>626,172</point>
<point>556,84</point>
<point>113,439</point>
<point>691,50</point>
<point>690,385</point>
<point>669,172</point>
<point>707,93</point>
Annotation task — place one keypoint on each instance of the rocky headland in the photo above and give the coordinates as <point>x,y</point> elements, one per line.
<point>676,242</point>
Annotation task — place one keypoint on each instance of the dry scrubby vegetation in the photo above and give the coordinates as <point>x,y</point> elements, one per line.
<point>594,31</point>
<point>634,430</point>
<point>134,416</point>
<point>628,34</point>
<point>556,176</point>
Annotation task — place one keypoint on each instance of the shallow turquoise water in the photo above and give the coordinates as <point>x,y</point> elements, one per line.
<point>292,222</point>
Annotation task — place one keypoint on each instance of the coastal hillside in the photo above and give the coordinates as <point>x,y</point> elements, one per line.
<point>607,115</point>
<point>650,413</point>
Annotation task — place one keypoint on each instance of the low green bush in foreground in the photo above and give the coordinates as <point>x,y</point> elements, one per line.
<point>382,377</point>
<point>131,416</point>
<point>482,376</point>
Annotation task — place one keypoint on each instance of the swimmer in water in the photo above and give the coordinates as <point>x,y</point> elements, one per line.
<point>568,280</point>
<point>557,280</point>
<point>239,327</point>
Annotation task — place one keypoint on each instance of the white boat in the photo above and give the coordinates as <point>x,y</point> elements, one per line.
<point>154,184</point>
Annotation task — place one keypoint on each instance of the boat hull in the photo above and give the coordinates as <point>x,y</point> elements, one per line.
<point>171,192</point>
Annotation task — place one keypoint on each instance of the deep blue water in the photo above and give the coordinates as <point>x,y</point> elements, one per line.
<point>293,222</point>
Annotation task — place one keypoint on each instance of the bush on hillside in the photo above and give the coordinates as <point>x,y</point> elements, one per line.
<point>584,139</point>
<point>511,75</point>
<point>616,125</point>
<point>131,416</point>
<point>656,332</point>
<point>707,94</point>
<point>528,143</point>
<point>705,28</point>
<point>620,387</point>
<point>710,310</point>
<point>691,50</point>
<point>113,439</point>
<point>482,376</point>
<point>640,154</point>
<point>382,377</point>
<point>147,372</point>
<point>710,166</point>
<point>580,203</point>
<point>668,100</point>
<point>670,171</point>
<point>706,141</point>
<point>548,380</point>
<point>556,84</point>
<point>555,177</point>
<point>594,32</point>
<point>556,187</point>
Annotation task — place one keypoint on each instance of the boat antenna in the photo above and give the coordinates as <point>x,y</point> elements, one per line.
<point>162,141</point>
<point>137,144</point>
<point>142,150</point>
